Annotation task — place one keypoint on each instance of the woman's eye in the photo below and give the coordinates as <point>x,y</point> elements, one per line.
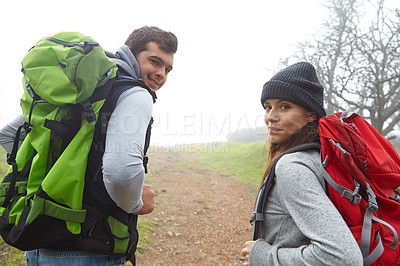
<point>285,106</point>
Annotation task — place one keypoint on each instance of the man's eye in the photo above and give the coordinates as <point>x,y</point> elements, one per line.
<point>155,62</point>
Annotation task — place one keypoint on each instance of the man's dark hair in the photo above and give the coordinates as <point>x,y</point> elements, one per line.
<point>139,38</point>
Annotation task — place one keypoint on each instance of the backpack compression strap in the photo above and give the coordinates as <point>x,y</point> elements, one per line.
<point>257,216</point>
<point>12,190</point>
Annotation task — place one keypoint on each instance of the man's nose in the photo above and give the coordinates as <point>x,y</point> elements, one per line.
<point>160,73</point>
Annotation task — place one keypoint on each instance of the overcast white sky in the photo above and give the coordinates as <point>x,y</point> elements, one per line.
<point>227,50</point>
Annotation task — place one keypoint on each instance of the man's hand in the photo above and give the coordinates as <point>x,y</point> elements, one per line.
<point>148,201</point>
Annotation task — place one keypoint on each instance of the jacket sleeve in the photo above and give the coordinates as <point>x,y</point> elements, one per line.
<point>8,132</point>
<point>123,171</point>
<point>303,198</point>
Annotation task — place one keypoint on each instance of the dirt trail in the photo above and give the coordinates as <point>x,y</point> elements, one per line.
<point>202,217</point>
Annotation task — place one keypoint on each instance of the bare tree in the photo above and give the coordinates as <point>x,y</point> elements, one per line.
<point>357,60</point>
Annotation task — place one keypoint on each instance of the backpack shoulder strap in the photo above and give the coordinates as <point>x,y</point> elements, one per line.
<point>123,84</point>
<point>257,216</point>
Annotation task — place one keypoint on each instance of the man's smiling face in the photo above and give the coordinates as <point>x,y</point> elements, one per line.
<point>155,64</point>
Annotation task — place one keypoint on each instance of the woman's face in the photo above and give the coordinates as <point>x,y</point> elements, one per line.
<point>284,119</point>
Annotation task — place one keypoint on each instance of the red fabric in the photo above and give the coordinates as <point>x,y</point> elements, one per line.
<point>371,158</point>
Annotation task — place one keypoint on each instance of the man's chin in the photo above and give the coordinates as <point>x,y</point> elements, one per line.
<point>154,89</point>
<point>152,86</point>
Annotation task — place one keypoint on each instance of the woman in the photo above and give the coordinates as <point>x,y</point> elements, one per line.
<point>302,226</point>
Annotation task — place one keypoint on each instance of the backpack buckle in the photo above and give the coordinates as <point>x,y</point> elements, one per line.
<point>256,217</point>
<point>28,200</point>
<point>10,159</point>
<point>373,206</point>
<point>372,203</point>
<point>16,189</point>
<point>353,196</point>
<point>145,161</point>
<point>89,112</point>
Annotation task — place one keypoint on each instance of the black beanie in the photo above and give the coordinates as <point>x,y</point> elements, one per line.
<point>298,84</point>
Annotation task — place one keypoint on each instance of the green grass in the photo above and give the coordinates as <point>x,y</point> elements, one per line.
<point>145,227</point>
<point>245,162</point>
<point>3,164</point>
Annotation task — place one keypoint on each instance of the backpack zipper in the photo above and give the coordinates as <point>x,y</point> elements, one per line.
<point>71,44</point>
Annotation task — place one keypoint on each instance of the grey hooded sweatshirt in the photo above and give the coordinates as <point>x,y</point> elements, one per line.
<point>302,226</point>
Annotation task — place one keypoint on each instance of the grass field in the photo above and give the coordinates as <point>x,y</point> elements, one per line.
<point>245,162</point>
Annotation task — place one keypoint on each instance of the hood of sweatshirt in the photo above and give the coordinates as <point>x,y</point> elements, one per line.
<point>126,62</point>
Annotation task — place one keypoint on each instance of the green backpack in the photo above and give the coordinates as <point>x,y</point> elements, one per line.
<point>68,80</point>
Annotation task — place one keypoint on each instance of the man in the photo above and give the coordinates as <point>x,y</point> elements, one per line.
<point>131,116</point>
<point>148,55</point>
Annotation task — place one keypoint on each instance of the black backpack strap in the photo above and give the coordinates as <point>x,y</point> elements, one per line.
<point>68,126</point>
<point>123,84</point>
<point>147,144</point>
<point>11,161</point>
<point>257,216</point>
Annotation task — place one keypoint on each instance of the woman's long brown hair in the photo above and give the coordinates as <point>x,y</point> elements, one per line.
<point>307,133</point>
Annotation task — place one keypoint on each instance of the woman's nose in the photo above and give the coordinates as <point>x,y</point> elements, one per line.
<point>271,116</point>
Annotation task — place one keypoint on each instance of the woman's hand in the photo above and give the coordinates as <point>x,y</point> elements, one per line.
<point>246,250</point>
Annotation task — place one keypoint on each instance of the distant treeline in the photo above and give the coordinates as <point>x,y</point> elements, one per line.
<point>248,135</point>
<point>259,134</point>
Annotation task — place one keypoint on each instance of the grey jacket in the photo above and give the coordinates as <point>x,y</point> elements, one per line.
<point>302,226</point>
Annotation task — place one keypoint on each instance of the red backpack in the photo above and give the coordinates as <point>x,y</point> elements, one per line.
<point>365,170</point>
<point>363,173</point>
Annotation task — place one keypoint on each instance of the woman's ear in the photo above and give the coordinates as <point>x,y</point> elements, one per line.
<point>311,118</point>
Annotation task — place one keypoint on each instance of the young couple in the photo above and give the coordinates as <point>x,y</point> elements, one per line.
<point>302,226</point>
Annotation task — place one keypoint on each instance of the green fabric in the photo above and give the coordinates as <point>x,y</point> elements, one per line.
<point>56,145</point>
<point>66,187</point>
<point>121,235</point>
<point>40,206</point>
<point>62,74</point>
